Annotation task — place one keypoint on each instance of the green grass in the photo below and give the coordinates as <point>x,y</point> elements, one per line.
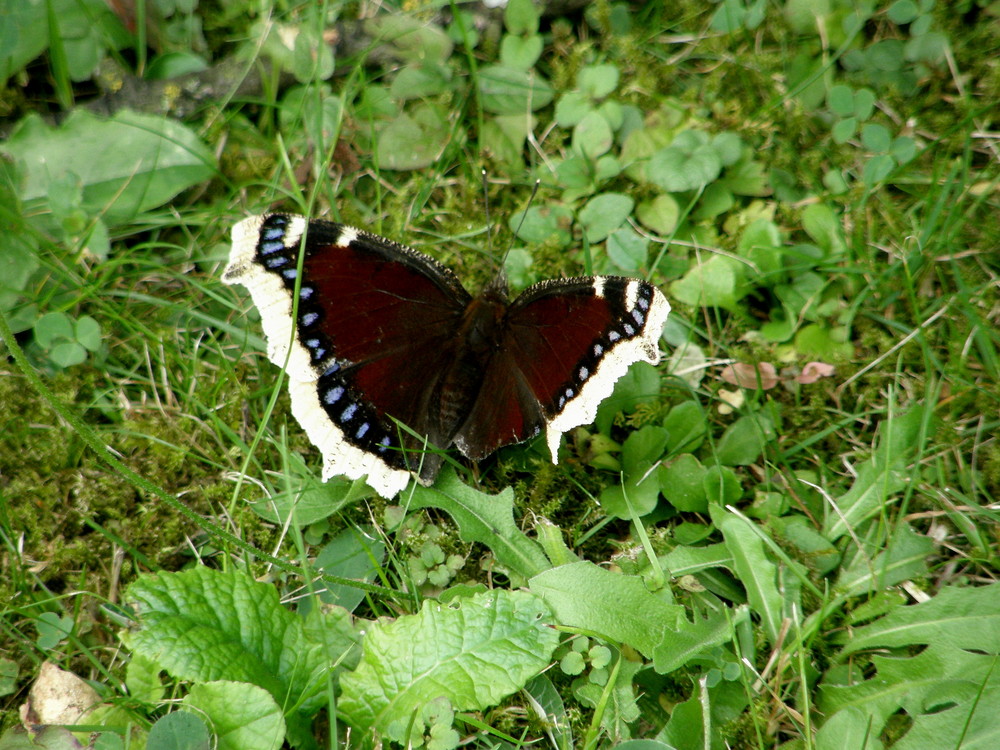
<point>808,565</point>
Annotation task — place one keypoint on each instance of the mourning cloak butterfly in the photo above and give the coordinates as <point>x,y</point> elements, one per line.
<point>389,357</point>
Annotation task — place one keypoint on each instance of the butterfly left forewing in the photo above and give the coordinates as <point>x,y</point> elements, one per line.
<point>369,335</point>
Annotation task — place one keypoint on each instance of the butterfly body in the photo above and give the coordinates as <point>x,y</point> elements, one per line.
<point>389,358</point>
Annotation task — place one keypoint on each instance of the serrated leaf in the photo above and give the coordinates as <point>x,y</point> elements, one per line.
<point>153,159</point>
<point>243,717</point>
<point>960,617</point>
<point>617,607</point>
<point>878,478</point>
<point>483,518</point>
<point>205,625</point>
<point>474,652</point>
<point>691,639</point>
<point>947,692</point>
<point>903,558</point>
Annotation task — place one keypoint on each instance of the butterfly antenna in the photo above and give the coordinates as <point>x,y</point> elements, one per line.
<point>524,215</point>
<point>489,223</point>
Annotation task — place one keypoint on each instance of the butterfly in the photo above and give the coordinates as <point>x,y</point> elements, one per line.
<point>390,360</point>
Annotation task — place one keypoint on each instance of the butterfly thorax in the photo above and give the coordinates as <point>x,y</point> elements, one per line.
<point>479,337</point>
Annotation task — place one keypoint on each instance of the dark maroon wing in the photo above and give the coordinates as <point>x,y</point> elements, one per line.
<point>375,326</point>
<point>564,345</point>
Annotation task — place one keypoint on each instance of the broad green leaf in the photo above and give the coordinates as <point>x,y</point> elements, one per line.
<point>312,59</point>
<point>179,730</point>
<point>571,108</point>
<point>820,342</point>
<point>728,146</point>
<point>598,81</point>
<point>52,327</point>
<point>960,617</point>
<point>686,427</point>
<point>88,333</point>
<point>203,625</point>
<point>840,100</point>
<point>760,244</point>
<point>353,553</point>
<point>142,678</point>
<point>823,225</point>
<point>413,140</point>
<point>682,482</point>
<point>695,724</point>
<point>153,159</point>
<point>627,249</point>
<point>420,81</point>
<point>753,566</point>
<point>722,486</point>
<point>521,17</point>
<point>617,607</point>
<point>474,652</point>
<point>637,497</point>
<point>550,709</point>
<point>175,64</point>
<point>711,283</point>
<point>675,169</point>
<point>540,224</point>
<point>747,177</point>
<point>592,136</point>
<point>487,519</point>
<point>310,502</point>
<point>520,53</point>
<point>413,39</point>
<point>843,130</point>
<point>876,137</point>
<point>744,440</point>
<point>508,91</point>
<point>243,717</point>
<point>879,478</point>
<point>682,561</point>
<point>661,214</point>
<point>604,213</point>
<point>817,552</point>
